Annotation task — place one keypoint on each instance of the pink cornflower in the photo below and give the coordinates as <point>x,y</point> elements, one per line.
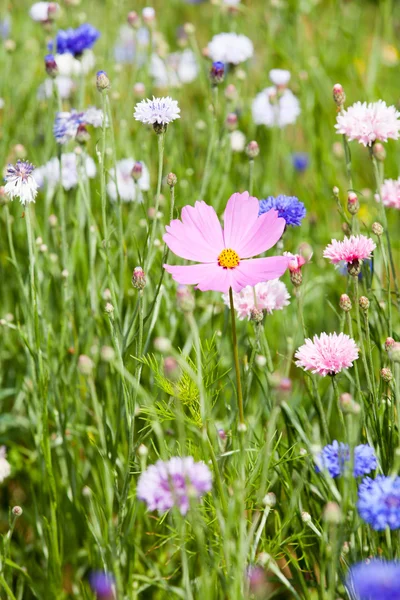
<point>354,248</point>
<point>266,296</point>
<point>369,122</point>
<point>296,261</point>
<point>327,354</point>
<point>225,254</point>
<point>390,193</point>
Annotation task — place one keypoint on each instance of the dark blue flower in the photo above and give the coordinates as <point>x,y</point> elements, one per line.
<point>300,161</point>
<point>379,502</point>
<point>334,457</point>
<point>374,580</point>
<point>75,41</point>
<point>288,207</point>
<point>102,584</point>
<point>217,72</point>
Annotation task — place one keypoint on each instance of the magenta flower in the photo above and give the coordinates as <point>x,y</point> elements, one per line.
<point>390,193</point>
<point>354,248</point>
<point>369,122</point>
<point>327,354</point>
<point>173,483</point>
<point>225,255</point>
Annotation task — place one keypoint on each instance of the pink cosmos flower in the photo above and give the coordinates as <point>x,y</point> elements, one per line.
<point>267,296</point>
<point>327,354</point>
<point>369,122</point>
<point>354,248</point>
<point>225,254</point>
<point>390,193</point>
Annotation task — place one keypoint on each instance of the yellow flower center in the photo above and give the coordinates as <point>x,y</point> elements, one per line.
<point>228,259</point>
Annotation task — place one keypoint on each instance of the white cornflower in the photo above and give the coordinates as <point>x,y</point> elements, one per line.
<point>230,48</point>
<point>65,86</point>
<point>20,183</point>
<point>158,110</point>
<point>43,11</point>
<point>271,108</point>
<point>5,467</point>
<point>126,185</point>
<point>238,141</point>
<point>279,76</point>
<point>69,66</point>
<point>176,69</point>
<point>49,174</point>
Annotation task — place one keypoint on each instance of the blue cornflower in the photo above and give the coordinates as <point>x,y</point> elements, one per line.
<point>288,207</point>
<point>75,41</point>
<point>379,502</point>
<point>217,72</point>
<point>300,161</point>
<point>102,584</point>
<point>374,580</point>
<point>66,123</point>
<point>334,457</point>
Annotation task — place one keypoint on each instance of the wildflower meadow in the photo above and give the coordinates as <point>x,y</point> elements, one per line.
<point>200,294</point>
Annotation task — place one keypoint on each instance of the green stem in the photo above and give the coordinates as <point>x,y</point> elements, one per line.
<point>251,175</point>
<point>236,361</point>
<point>103,173</point>
<point>160,141</point>
<point>211,144</point>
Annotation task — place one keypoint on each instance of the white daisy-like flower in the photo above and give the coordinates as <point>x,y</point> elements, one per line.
<point>238,141</point>
<point>157,110</point>
<point>230,48</point>
<point>271,108</point>
<point>69,66</point>
<point>43,11</point>
<point>65,86</point>
<point>126,185</point>
<point>231,2</point>
<point>267,296</point>
<point>176,69</point>
<point>5,467</point>
<point>279,76</point>
<point>49,174</point>
<point>20,183</point>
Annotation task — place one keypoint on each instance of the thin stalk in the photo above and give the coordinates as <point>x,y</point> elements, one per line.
<point>389,292</point>
<point>251,175</point>
<point>337,397</point>
<point>103,173</point>
<point>361,335</point>
<point>160,142</point>
<point>321,410</point>
<point>236,361</point>
<point>211,144</point>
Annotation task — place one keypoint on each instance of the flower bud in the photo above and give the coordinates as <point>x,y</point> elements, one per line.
<point>217,73</point>
<point>332,513</point>
<point>82,135</point>
<point>379,151</point>
<point>137,171</point>
<point>269,499</point>
<point>171,368</point>
<point>364,303</point>
<point>139,89</point>
<point>386,374</point>
<point>85,364</point>
<point>162,344</point>
<point>335,191</point>
<point>51,66</point>
<point>389,343</point>
<point>109,308</point>
<point>17,511</point>
<point>252,149</point>
<point>149,15</point>
<point>231,92</point>
<point>133,19</point>
<point>353,204</point>
<point>189,29</point>
<point>256,315</point>
<point>394,352</point>
<point>347,404</point>
<point>222,434</point>
<point>354,267</point>
<point>172,180</point>
<point>185,299</point>
<point>231,122</point>
<point>138,278</point>
<point>377,229</point>
<point>107,353</point>
<point>296,277</point>
<point>345,303</point>
<point>102,81</point>
<point>339,97</point>
<point>306,517</point>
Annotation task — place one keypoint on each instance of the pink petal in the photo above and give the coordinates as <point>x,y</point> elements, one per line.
<point>198,236</point>
<point>264,234</point>
<point>208,277</point>
<point>256,270</point>
<point>240,215</point>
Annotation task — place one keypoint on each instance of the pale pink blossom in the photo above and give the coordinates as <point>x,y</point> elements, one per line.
<point>390,193</point>
<point>327,354</point>
<point>225,255</point>
<point>266,296</point>
<point>356,247</point>
<point>369,122</point>
<point>296,261</point>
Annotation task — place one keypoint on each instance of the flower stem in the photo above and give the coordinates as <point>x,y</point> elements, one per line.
<point>160,140</point>
<point>251,175</point>
<point>206,176</point>
<point>103,175</point>
<point>236,360</point>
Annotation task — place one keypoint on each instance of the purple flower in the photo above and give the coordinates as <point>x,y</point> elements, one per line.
<point>335,456</point>
<point>374,580</point>
<point>300,161</point>
<point>102,584</point>
<point>75,41</point>
<point>172,483</point>
<point>66,124</point>
<point>379,502</point>
<point>288,207</point>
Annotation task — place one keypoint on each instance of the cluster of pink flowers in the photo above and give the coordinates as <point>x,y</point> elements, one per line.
<point>327,354</point>
<point>267,296</point>
<point>369,122</point>
<point>354,248</point>
<point>390,193</point>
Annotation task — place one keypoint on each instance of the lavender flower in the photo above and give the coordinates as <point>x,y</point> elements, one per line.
<point>375,579</point>
<point>75,41</point>
<point>300,161</point>
<point>66,124</point>
<point>288,207</point>
<point>335,457</point>
<point>173,483</point>
<point>379,502</point>
<point>102,584</point>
